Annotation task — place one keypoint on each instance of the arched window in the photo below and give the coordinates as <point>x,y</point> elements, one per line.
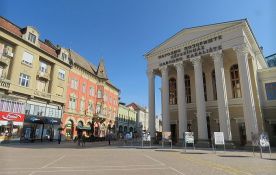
<point>172,89</point>
<point>214,85</point>
<point>188,89</point>
<point>235,81</point>
<point>204,85</point>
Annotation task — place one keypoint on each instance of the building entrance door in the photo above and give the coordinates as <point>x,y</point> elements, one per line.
<point>242,133</point>
<point>173,132</point>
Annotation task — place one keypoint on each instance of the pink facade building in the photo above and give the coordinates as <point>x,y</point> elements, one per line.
<point>91,100</point>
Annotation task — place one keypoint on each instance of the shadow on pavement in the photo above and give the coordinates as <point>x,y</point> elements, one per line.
<point>238,156</point>
<point>55,145</point>
<point>193,153</point>
<point>166,150</point>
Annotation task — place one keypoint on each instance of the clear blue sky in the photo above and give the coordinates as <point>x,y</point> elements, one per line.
<point>122,31</point>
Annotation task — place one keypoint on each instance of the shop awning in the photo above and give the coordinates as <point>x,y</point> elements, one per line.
<point>33,119</point>
<point>42,120</point>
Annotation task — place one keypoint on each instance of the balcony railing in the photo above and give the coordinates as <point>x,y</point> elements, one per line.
<point>43,75</point>
<point>4,60</point>
<point>42,94</point>
<point>4,83</point>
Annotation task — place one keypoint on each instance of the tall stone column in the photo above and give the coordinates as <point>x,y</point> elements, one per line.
<point>182,106</point>
<point>200,100</point>
<point>249,110</point>
<point>223,110</point>
<point>151,120</point>
<point>165,99</point>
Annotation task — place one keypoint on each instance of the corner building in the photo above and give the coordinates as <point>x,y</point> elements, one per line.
<point>92,101</point>
<point>214,78</point>
<point>32,92</point>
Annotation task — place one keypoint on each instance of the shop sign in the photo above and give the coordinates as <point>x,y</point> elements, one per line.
<point>10,116</point>
<point>219,138</point>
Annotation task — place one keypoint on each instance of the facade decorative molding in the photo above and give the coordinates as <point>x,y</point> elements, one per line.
<point>241,50</point>
<point>196,61</point>
<point>216,56</point>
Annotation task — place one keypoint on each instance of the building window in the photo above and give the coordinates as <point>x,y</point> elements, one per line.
<point>270,89</point>
<point>32,38</point>
<point>74,84</point>
<point>72,103</point>
<point>91,92</point>
<point>204,86</point>
<point>188,89</point>
<point>90,107</point>
<point>214,85</point>
<point>27,58</point>
<point>82,104</point>
<point>273,129</point>
<point>1,72</point>
<point>41,85</point>
<point>43,67</point>
<point>24,80</point>
<point>172,91</point>
<point>59,91</point>
<point>83,87</point>
<point>64,56</point>
<point>235,81</point>
<point>98,110</point>
<point>100,94</point>
<point>61,74</point>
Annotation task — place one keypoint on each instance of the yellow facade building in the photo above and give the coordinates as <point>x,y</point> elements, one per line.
<point>33,74</point>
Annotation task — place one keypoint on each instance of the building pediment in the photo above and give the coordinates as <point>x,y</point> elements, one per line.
<point>189,34</point>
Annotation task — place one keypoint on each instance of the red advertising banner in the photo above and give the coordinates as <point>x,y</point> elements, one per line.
<point>10,116</point>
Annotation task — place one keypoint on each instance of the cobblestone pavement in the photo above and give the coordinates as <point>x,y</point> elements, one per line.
<point>99,159</point>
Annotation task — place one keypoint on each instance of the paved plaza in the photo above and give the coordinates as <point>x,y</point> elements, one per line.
<point>99,159</point>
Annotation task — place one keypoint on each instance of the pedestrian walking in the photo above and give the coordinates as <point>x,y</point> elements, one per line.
<point>59,138</point>
<point>83,140</point>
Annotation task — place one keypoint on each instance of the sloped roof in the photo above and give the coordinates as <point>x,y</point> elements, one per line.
<point>198,31</point>
<point>82,62</point>
<point>17,31</point>
<point>101,72</point>
<point>136,107</point>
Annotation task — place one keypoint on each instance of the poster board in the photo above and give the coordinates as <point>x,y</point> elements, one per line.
<point>264,140</point>
<point>219,138</point>
<point>261,141</point>
<point>166,137</point>
<point>146,138</point>
<point>189,137</point>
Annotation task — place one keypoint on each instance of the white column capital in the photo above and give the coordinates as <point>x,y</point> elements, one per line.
<point>217,55</point>
<point>196,61</point>
<point>241,50</point>
<point>163,69</point>
<point>179,65</point>
<point>150,73</point>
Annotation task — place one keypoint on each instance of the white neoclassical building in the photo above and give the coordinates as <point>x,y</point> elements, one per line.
<point>214,78</point>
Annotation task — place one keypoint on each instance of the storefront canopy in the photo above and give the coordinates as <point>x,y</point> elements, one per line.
<point>42,120</point>
<point>83,128</point>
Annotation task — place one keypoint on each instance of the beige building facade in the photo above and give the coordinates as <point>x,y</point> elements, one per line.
<point>33,74</point>
<point>126,119</point>
<point>214,78</point>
